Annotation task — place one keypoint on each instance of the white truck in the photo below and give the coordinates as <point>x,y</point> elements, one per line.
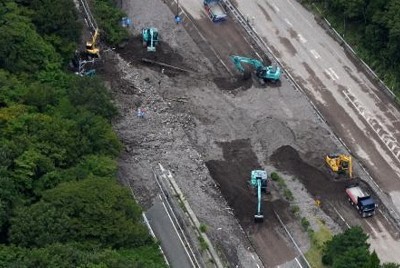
<point>362,201</point>
<point>215,10</point>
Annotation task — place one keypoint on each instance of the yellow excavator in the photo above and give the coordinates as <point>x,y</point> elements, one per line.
<point>340,164</point>
<point>91,46</point>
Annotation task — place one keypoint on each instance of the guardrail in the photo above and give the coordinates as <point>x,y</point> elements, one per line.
<point>88,15</point>
<point>324,22</point>
<point>192,216</point>
<point>393,215</point>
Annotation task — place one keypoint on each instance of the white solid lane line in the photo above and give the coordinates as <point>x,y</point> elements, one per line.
<point>176,231</point>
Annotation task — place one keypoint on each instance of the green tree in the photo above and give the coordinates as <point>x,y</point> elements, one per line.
<point>344,247</point>
<point>109,22</point>
<point>77,255</point>
<point>21,48</point>
<point>374,261</point>
<point>390,265</point>
<point>91,166</point>
<point>95,211</point>
<point>8,196</point>
<point>351,8</point>
<point>91,94</point>
<point>352,258</point>
<point>57,21</point>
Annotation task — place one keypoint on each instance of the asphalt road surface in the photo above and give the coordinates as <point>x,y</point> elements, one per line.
<point>165,230</point>
<point>359,113</point>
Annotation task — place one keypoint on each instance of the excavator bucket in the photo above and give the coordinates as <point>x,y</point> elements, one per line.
<point>258,218</point>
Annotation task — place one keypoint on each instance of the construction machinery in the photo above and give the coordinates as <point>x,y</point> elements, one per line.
<point>340,164</point>
<point>264,73</point>
<point>362,201</point>
<point>259,181</point>
<point>91,46</point>
<point>150,38</point>
<point>215,10</point>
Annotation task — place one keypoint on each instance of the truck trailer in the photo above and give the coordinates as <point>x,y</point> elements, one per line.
<point>215,10</point>
<point>363,202</point>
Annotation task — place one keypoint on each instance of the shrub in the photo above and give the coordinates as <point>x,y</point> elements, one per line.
<point>203,228</point>
<point>305,223</point>
<point>288,195</point>
<point>275,176</point>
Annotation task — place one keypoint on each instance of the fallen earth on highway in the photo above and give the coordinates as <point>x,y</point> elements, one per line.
<point>210,128</point>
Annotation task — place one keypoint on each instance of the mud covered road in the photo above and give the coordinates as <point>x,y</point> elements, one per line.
<point>211,128</point>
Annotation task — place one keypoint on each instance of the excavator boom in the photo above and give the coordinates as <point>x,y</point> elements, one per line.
<point>259,216</point>
<point>91,46</point>
<point>259,182</point>
<point>237,60</point>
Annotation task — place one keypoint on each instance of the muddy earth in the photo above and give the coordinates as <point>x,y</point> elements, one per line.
<point>210,128</point>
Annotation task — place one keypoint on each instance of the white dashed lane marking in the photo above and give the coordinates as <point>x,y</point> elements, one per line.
<point>288,23</point>
<point>315,54</point>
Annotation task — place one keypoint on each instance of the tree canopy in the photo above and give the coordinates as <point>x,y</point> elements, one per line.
<point>372,27</point>
<point>95,211</point>
<point>60,204</point>
<point>350,249</point>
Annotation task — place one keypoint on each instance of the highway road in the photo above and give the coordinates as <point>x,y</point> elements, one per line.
<point>365,118</point>
<point>165,229</point>
<point>359,113</point>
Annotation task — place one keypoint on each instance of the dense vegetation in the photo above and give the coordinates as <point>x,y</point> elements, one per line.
<point>350,249</point>
<point>372,27</point>
<point>60,204</point>
<point>109,19</point>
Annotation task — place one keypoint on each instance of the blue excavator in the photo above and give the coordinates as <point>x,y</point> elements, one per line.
<point>264,73</point>
<point>259,181</point>
<point>150,38</point>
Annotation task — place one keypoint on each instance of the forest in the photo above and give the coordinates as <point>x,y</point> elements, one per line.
<point>60,202</point>
<point>372,28</point>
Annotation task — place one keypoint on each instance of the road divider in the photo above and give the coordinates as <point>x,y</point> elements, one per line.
<point>166,174</point>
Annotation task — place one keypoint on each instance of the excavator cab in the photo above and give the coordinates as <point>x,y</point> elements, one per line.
<point>340,164</point>
<point>150,38</point>
<point>91,46</point>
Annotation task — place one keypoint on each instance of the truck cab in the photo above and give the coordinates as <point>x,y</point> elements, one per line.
<point>215,10</point>
<point>366,206</point>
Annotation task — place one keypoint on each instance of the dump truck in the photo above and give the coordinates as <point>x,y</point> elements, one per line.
<point>362,201</point>
<point>215,10</point>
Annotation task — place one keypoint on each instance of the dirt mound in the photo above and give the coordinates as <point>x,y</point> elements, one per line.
<point>233,175</point>
<point>134,52</point>
<point>317,182</point>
